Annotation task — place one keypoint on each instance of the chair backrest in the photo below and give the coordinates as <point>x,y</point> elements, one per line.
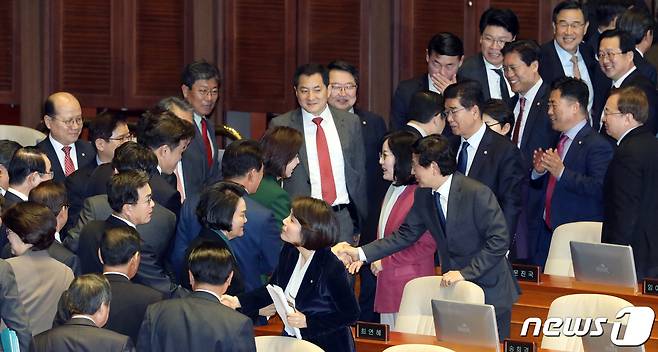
<point>581,306</point>
<point>413,347</point>
<point>24,135</point>
<point>284,344</point>
<point>415,315</point>
<point>559,254</point>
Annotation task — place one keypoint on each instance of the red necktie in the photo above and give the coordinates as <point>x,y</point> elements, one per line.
<point>206,141</point>
<point>68,162</point>
<point>551,183</point>
<point>326,173</point>
<point>517,124</point>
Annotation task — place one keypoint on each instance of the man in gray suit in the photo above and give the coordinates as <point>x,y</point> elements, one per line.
<point>328,172</point>
<point>466,222</point>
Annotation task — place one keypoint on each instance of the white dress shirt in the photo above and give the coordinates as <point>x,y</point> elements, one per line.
<point>473,143</point>
<point>567,66</point>
<point>615,84</point>
<point>417,127</point>
<point>18,193</point>
<point>335,153</point>
<point>529,101</point>
<point>431,85</point>
<point>494,80</point>
<point>60,153</point>
<point>210,292</point>
<point>126,221</point>
<point>197,122</point>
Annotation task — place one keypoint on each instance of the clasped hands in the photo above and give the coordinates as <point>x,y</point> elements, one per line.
<point>547,160</point>
<point>296,319</point>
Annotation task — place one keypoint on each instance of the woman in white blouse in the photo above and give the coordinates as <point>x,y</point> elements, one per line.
<point>314,280</point>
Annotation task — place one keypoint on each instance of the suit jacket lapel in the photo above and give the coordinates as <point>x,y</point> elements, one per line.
<point>339,122</point>
<point>481,153</point>
<point>82,155</point>
<point>54,160</point>
<point>533,115</point>
<point>297,122</point>
<point>576,144</point>
<point>435,215</point>
<point>454,205</point>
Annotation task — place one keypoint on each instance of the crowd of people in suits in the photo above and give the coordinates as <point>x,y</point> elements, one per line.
<point>150,237</point>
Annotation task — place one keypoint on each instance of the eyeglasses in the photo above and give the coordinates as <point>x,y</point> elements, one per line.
<point>348,88</point>
<point>148,200</point>
<point>125,138</point>
<point>491,40</point>
<point>50,174</point>
<point>573,25</point>
<point>205,92</point>
<point>70,122</point>
<point>606,113</point>
<point>446,113</point>
<point>610,55</point>
<point>493,124</point>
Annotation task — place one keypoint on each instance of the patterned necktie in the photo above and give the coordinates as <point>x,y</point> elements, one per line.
<point>69,168</point>
<point>324,159</point>
<point>462,159</point>
<point>576,69</point>
<point>504,93</point>
<point>206,141</point>
<point>519,119</point>
<point>552,181</point>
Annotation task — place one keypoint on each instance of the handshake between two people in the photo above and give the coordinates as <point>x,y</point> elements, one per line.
<point>348,255</point>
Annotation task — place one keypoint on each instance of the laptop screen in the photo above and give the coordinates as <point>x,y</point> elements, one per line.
<point>466,323</point>
<point>604,263</point>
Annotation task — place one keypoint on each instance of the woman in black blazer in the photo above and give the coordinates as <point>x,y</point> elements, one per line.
<point>324,301</point>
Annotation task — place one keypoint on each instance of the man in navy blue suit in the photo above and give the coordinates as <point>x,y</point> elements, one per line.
<point>571,175</point>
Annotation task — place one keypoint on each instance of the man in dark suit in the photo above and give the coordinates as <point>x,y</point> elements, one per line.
<point>605,14</point>
<point>566,54</point>
<point>616,53</point>
<point>199,321</point>
<point>88,300</point>
<point>426,114</point>
<point>630,197</point>
<point>571,175</point>
<point>67,153</point>
<point>497,27</point>
<point>11,307</point>
<point>335,175</point>
<point>200,87</point>
<point>639,23</point>
<point>483,154</point>
<point>464,218</point>
<point>129,195</point>
<point>106,132</point>
<point>343,91</point>
<point>444,55</point>
<point>7,150</point>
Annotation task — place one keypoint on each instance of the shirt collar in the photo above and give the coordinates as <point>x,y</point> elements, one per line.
<point>489,66</point>
<point>532,92</point>
<point>56,144</point>
<point>444,189</point>
<point>621,79</point>
<point>351,110</point>
<point>625,133</point>
<point>573,131</point>
<point>431,85</point>
<point>219,299</point>
<point>638,51</point>
<point>116,273</point>
<point>476,138</point>
<point>125,220</point>
<point>417,126</point>
<point>18,193</point>
<point>84,317</point>
<point>565,55</point>
<point>325,114</point>
<point>197,118</point>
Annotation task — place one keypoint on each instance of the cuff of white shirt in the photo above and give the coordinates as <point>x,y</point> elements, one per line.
<point>362,255</point>
<point>535,175</point>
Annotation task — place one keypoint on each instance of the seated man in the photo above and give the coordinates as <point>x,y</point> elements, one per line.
<point>199,321</point>
<point>88,300</point>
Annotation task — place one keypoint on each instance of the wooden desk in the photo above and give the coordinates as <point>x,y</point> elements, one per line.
<point>536,300</point>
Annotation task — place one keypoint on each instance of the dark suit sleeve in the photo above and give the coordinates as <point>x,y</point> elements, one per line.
<point>244,339</point>
<point>359,162</point>
<point>510,187</point>
<point>408,233</point>
<point>144,339</point>
<point>86,215</point>
<point>398,110</point>
<point>11,307</point>
<point>151,273</point>
<point>129,346</point>
<point>490,223</point>
<point>590,183</point>
<point>626,196</point>
<point>269,245</point>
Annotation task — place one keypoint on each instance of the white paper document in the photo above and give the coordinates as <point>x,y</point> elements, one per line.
<point>283,309</point>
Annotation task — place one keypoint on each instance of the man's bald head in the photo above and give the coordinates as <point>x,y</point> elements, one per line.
<point>63,117</point>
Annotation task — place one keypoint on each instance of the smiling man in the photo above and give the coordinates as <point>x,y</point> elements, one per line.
<point>332,158</point>
<point>497,27</point>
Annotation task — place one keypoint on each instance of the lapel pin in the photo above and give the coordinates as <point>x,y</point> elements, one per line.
<point>580,142</point>
<point>485,152</point>
<point>363,122</point>
<point>83,154</point>
<point>538,103</point>
<point>311,281</point>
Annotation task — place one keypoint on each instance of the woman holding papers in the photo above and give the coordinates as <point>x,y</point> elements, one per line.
<point>313,279</point>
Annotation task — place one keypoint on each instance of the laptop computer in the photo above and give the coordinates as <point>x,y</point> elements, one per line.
<point>604,344</point>
<point>604,263</point>
<point>466,323</point>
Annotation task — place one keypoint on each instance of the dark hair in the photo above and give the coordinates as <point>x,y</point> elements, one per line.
<point>499,111</point>
<point>504,18</point>
<point>2,203</point>
<point>573,89</point>
<point>51,194</point>
<point>280,145</point>
<point>199,70</point>
<point>401,145</point>
<point>469,93</point>
<point>424,106</point>
<point>134,156</point>
<point>310,70</point>
<point>637,22</point>
<point>49,107</point>
<point>318,222</point>
<point>159,128</point>
<point>86,294</point>
<point>119,244</point>
<point>122,188</point>
<point>445,43</point>
<point>240,157</point>
<point>606,11</point>
<point>7,150</point>
<point>567,5</point>
<point>25,161</point>
<point>103,125</point>
<point>633,100</point>
<point>344,66</point>
<point>169,102</point>
<point>32,222</point>
<point>210,263</point>
<point>626,42</point>
<point>436,148</point>
<point>528,50</point>
<point>217,205</point>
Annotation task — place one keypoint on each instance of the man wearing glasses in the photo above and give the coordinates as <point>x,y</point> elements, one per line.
<point>616,52</point>
<point>63,118</point>
<point>566,54</point>
<point>497,27</point>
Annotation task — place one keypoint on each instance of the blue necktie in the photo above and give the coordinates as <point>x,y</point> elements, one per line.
<point>462,160</point>
<point>442,217</point>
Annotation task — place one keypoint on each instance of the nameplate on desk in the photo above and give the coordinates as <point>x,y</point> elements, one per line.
<point>519,346</point>
<point>650,287</point>
<point>372,331</point>
<point>528,273</point>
